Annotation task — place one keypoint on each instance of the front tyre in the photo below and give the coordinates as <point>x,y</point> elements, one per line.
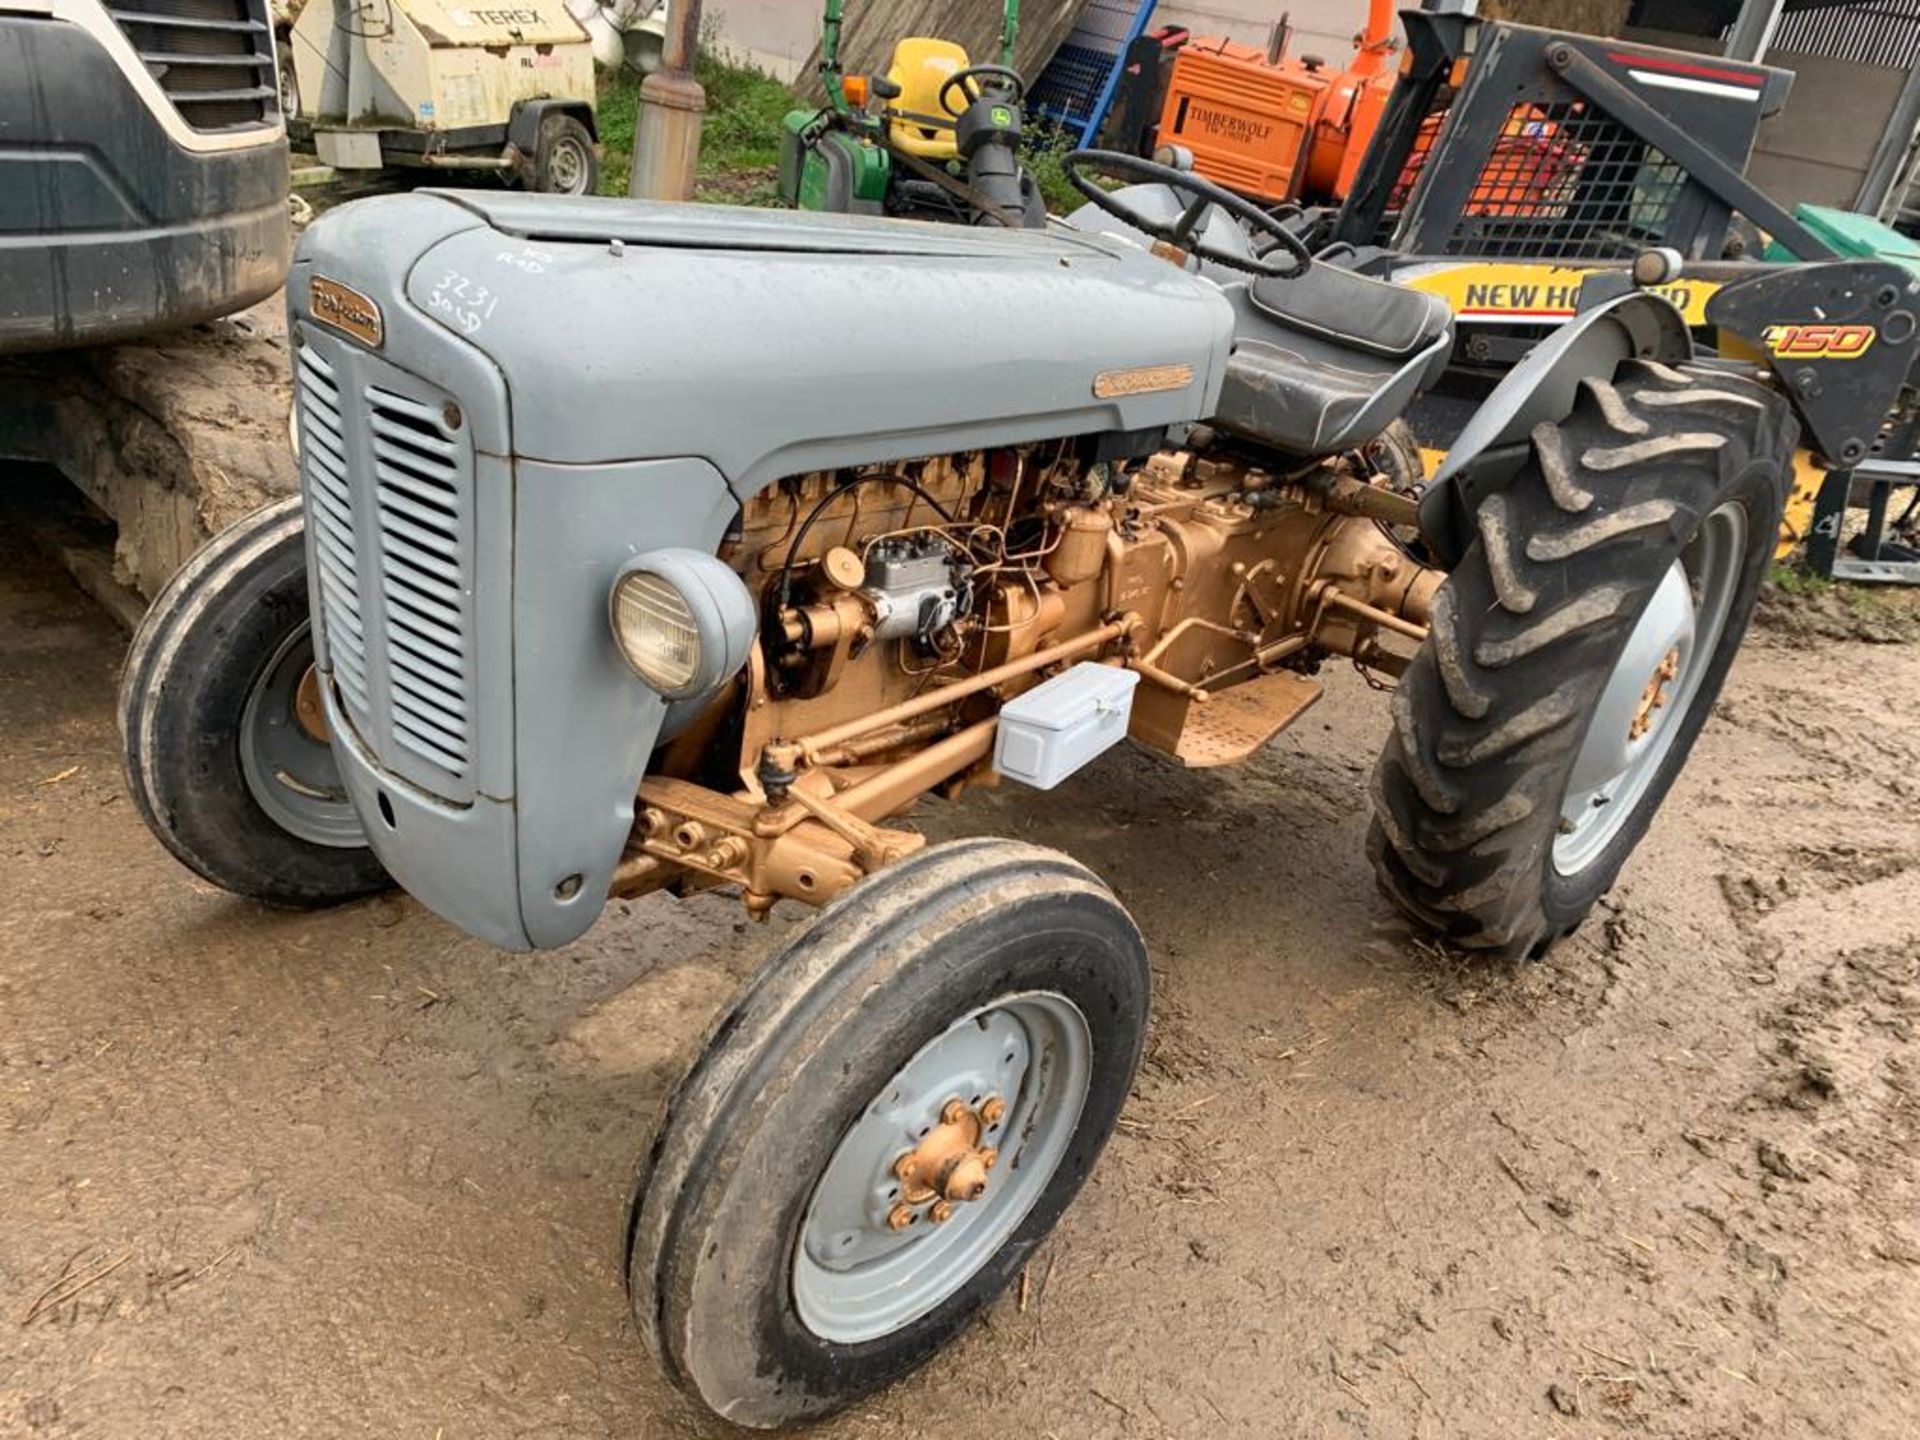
<point>1575,653</point>
<point>891,1118</point>
<point>225,741</point>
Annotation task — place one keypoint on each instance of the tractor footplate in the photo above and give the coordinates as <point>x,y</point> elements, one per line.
<point>1230,725</point>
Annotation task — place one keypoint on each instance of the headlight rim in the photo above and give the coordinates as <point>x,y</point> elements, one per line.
<point>722,612</point>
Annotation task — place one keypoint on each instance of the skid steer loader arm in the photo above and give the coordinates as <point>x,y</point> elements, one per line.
<point>1840,338</point>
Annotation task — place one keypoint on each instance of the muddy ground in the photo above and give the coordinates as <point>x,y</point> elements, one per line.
<point>354,1174</point>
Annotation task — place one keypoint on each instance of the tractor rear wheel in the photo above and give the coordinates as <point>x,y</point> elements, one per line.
<point>889,1120</point>
<point>1575,653</point>
<point>225,741</point>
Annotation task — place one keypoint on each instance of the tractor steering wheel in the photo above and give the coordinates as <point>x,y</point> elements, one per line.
<point>1180,232</point>
<point>968,82</point>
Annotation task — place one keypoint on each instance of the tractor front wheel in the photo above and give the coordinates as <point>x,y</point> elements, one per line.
<point>1576,651</point>
<point>225,740</point>
<point>890,1119</point>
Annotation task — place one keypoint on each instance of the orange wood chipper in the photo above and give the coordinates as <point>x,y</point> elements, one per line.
<point>1276,126</point>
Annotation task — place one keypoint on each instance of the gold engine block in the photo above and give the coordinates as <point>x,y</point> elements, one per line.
<point>1223,584</point>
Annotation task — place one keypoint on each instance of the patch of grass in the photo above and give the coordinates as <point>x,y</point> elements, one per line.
<point>739,139</point>
<point>616,112</point>
<point>1043,161</point>
<point>1792,578</point>
<point>744,109</point>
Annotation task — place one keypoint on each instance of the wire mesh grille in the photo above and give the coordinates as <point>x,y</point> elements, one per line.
<point>1423,142</point>
<point>1071,84</point>
<point>1563,181</point>
<point>1416,159</point>
<point>1069,91</point>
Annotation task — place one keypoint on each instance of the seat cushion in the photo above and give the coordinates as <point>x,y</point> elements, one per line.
<point>1352,310</point>
<point>920,67</point>
<point>1325,362</point>
<point>1300,402</point>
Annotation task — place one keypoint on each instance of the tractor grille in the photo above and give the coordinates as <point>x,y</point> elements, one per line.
<point>389,489</point>
<point>214,58</point>
<point>423,577</point>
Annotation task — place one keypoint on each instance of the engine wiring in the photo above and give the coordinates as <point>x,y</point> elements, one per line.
<point>783,586</point>
<point>992,558</point>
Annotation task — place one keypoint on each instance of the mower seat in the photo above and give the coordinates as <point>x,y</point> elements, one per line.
<point>920,66</point>
<point>1324,362</point>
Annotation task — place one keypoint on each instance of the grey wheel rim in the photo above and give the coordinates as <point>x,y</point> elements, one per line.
<point>857,1276</point>
<point>1653,687</point>
<point>566,167</point>
<point>290,774</point>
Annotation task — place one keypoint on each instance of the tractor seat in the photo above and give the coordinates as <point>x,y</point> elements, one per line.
<point>920,66</point>
<point>1324,362</point>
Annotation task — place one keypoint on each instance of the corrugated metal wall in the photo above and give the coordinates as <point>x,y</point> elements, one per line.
<point>783,35</point>
<point>1320,27</point>
<point>1851,63</point>
<point>1885,33</point>
<point>872,28</point>
<point>1326,27</point>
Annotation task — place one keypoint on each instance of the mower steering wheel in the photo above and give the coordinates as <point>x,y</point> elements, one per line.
<point>1180,232</point>
<point>1011,87</point>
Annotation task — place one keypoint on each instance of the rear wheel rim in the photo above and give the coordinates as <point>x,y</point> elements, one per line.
<point>857,1277</point>
<point>289,87</point>
<point>290,773</point>
<point>566,167</point>
<point>1652,688</point>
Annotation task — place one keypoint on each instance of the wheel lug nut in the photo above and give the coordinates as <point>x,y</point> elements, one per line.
<point>941,1212</point>
<point>900,1217</point>
<point>989,1157</point>
<point>992,1111</point>
<point>953,1112</point>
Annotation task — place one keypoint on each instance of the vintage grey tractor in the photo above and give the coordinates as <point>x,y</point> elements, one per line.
<point>648,547</point>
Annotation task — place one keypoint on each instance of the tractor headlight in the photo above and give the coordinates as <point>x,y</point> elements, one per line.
<point>656,630</point>
<point>683,621</point>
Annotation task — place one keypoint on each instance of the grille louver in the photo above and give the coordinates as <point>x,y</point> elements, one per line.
<point>323,456</point>
<point>424,584</point>
<point>214,58</point>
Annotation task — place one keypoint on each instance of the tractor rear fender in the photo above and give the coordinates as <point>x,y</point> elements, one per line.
<point>1493,446</point>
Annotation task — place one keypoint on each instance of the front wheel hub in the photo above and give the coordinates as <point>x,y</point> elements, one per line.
<point>286,754</point>
<point>308,709</point>
<point>940,1169</point>
<point>949,1167</point>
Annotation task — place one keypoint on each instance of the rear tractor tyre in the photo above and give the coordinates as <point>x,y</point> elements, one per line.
<point>223,737</point>
<point>1575,652</point>
<point>889,1120</point>
<point>564,160</point>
